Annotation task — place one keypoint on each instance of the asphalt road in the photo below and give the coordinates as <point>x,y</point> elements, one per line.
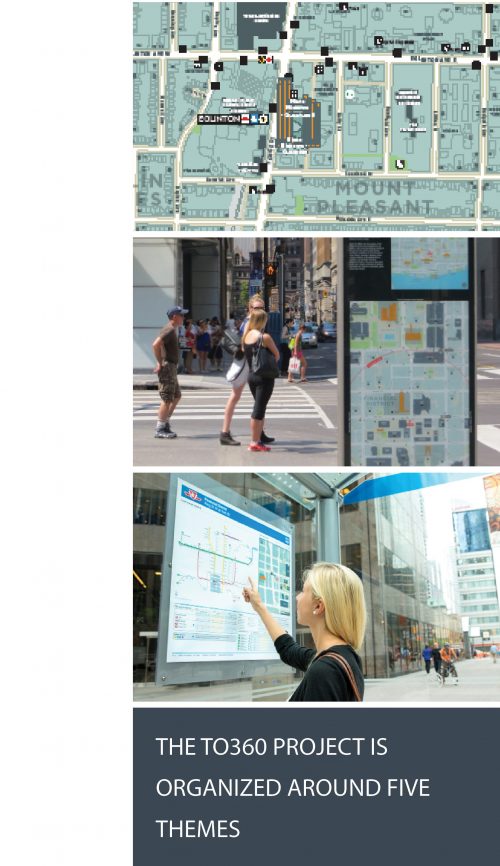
<point>488,404</point>
<point>303,418</point>
<point>300,417</point>
<point>322,361</point>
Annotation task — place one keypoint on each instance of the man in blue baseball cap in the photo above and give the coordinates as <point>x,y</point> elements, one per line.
<point>166,352</point>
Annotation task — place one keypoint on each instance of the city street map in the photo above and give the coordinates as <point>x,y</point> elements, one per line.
<point>316,116</point>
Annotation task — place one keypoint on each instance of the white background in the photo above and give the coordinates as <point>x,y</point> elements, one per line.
<point>66,205</point>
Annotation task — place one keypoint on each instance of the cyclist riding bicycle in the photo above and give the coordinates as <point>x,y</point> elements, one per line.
<point>448,657</point>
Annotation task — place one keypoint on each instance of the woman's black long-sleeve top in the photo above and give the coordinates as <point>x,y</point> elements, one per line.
<point>325,680</point>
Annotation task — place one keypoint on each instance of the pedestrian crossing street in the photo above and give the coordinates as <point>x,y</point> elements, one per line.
<point>288,402</point>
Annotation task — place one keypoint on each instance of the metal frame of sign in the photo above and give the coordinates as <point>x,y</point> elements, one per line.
<point>375,285</point>
<point>174,673</point>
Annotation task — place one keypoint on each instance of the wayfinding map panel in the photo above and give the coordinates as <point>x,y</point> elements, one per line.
<point>408,351</point>
<point>409,373</point>
<point>216,548</point>
<point>294,115</point>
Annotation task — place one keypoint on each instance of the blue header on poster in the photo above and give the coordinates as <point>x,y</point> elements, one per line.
<point>201,499</point>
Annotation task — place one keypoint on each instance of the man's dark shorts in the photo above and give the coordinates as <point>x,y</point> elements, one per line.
<point>168,385</point>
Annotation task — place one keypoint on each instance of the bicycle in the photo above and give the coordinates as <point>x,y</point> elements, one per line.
<point>447,670</point>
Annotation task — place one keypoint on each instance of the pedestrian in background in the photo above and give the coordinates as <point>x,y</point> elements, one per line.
<point>202,345</point>
<point>493,651</point>
<point>448,657</point>
<point>436,657</point>
<point>286,352</point>
<point>166,351</point>
<point>427,657</point>
<point>298,352</point>
<point>215,353</point>
<point>190,341</point>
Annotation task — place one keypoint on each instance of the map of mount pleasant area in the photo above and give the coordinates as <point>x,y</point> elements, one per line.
<point>217,547</point>
<point>410,398</point>
<point>316,116</point>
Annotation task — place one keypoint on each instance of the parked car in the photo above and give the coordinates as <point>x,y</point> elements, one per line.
<point>327,331</point>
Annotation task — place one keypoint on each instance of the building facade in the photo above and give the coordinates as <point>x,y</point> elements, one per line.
<point>291,259</point>
<point>169,271</point>
<point>240,279</point>
<point>476,577</point>
<point>384,540</point>
<point>320,279</point>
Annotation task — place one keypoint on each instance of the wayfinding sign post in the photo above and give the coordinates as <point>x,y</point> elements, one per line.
<point>216,540</point>
<point>407,352</point>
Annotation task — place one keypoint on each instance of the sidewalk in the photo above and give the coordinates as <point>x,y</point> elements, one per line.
<point>149,381</point>
<point>197,381</point>
<point>478,680</point>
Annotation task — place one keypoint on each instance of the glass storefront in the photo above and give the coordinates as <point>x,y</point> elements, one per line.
<point>383,540</point>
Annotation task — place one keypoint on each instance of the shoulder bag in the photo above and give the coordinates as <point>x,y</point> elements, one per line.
<point>230,342</point>
<point>346,667</point>
<point>263,362</point>
<point>238,371</point>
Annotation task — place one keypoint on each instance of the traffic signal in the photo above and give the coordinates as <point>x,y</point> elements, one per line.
<point>271,276</point>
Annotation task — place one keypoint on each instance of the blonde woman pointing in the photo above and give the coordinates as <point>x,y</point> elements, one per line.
<point>332,604</point>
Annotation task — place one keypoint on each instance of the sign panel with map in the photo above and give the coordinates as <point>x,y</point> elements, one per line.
<point>423,264</point>
<point>406,267</point>
<point>409,346</point>
<point>215,547</point>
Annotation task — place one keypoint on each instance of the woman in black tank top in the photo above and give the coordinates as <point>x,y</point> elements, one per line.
<point>261,388</point>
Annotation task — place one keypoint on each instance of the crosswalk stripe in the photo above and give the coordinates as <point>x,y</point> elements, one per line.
<point>212,411</point>
<point>491,371</point>
<point>285,404</point>
<point>489,435</point>
<point>223,393</point>
<point>310,410</point>
<point>153,395</point>
<point>195,406</point>
<point>193,417</point>
<point>218,408</point>
<point>324,417</point>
